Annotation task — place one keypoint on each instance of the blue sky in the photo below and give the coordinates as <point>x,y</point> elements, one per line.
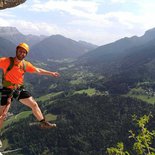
<point>95,21</point>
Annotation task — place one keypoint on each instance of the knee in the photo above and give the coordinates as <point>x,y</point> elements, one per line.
<point>3,112</point>
<point>2,109</point>
<point>34,105</point>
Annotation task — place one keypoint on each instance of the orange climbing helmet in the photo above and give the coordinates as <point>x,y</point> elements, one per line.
<point>25,46</point>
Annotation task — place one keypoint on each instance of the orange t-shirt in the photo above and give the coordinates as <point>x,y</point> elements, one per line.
<point>16,74</point>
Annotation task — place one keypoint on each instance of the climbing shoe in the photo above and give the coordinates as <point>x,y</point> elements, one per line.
<point>47,125</point>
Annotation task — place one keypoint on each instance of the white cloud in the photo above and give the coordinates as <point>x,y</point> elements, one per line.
<point>3,22</point>
<point>37,28</point>
<point>78,8</point>
<point>86,21</point>
<point>6,14</point>
<point>87,12</point>
<point>42,28</point>
<point>118,1</point>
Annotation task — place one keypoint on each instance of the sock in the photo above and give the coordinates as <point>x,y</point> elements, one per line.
<point>43,120</point>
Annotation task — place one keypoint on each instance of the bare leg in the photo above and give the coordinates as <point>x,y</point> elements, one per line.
<point>2,108</point>
<point>30,102</point>
<point>3,111</point>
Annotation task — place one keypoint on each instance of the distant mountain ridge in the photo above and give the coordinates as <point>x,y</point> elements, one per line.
<point>90,46</point>
<point>123,54</point>
<point>59,47</point>
<point>7,48</point>
<point>12,34</point>
<point>45,47</point>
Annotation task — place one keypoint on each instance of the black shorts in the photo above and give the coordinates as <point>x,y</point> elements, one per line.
<point>18,94</point>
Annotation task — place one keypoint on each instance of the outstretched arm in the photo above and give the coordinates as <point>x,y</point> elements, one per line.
<point>41,71</point>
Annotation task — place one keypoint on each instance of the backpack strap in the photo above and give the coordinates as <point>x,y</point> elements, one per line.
<point>9,67</point>
<point>11,64</point>
<point>4,82</point>
<point>24,65</point>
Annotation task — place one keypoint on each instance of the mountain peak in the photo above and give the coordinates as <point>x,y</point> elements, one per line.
<point>57,37</point>
<point>150,34</point>
<point>150,31</point>
<point>12,30</point>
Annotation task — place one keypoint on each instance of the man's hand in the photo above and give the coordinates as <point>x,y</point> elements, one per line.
<point>46,72</point>
<point>55,74</point>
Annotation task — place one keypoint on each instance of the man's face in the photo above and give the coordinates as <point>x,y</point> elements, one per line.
<point>21,53</point>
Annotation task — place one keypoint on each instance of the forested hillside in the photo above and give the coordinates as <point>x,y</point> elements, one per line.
<point>92,102</point>
<point>124,55</point>
<point>89,116</point>
<point>86,125</point>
